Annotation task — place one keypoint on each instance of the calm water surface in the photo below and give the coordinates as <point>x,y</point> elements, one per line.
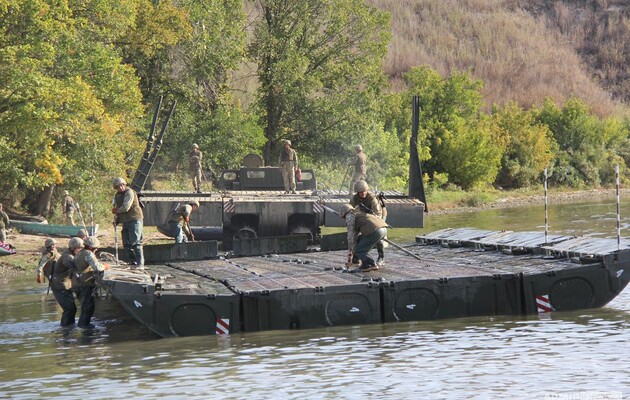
<point>561,355</point>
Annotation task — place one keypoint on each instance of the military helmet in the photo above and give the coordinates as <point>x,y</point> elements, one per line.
<point>82,233</point>
<point>345,209</point>
<point>75,243</point>
<point>358,147</point>
<point>49,242</point>
<point>287,142</point>
<point>195,146</point>
<point>65,193</point>
<point>92,242</point>
<point>361,186</point>
<point>119,181</point>
<point>194,203</point>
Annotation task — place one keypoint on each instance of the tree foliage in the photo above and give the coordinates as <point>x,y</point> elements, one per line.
<point>530,146</point>
<point>455,137</point>
<point>318,64</point>
<point>66,103</point>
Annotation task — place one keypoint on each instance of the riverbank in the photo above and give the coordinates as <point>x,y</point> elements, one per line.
<point>29,247</point>
<point>516,199</point>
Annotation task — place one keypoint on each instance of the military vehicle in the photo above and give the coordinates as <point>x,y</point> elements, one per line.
<point>250,201</point>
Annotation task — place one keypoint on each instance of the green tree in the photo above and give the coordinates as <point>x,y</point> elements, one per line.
<point>588,146</point>
<point>66,103</point>
<point>455,137</point>
<point>318,64</point>
<point>530,146</point>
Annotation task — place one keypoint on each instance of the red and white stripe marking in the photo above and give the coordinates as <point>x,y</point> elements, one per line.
<point>543,304</point>
<point>223,326</point>
<point>229,207</point>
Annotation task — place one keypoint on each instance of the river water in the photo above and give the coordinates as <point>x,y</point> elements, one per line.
<point>562,355</point>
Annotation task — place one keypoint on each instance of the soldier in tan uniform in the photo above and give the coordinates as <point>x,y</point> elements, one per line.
<point>360,169</point>
<point>288,165</point>
<point>49,255</point>
<point>369,203</point>
<point>372,230</point>
<point>179,221</point>
<point>67,204</point>
<point>127,211</point>
<point>194,167</point>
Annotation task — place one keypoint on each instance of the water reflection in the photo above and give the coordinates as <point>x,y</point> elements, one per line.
<point>483,358</point>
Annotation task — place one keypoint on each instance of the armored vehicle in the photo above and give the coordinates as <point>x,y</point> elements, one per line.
<point>251,201</point>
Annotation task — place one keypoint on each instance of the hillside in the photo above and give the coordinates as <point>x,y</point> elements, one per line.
<point>523,50</point>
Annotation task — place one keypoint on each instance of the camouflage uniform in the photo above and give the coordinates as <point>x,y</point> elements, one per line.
<point>288,165</point>
<point>5,222</point>
<point>68,208</point>
<point>194,167</point>
<point>359,167</point>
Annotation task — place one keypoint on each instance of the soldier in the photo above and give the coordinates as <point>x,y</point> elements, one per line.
<point>288,165</point>
<point>369,203</point>
<point>358,162</point>
<point>87,271</point>
<point>82,234</point>
<point>128,212</point>
<point>194,167</point>
<point>5,222</point>
<point>372,228</point>
<point>68,208</point>
<point>179,221</point>
<point>61,282</point>
<point>49,255</point>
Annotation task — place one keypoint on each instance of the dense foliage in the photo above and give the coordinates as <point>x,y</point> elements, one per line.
<point>79,81</point>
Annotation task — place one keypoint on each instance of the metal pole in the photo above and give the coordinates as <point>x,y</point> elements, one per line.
<point>92,216</point>
<point>402,249</point>
<point>618,213</point>
<point>82,220</point>
<point>546,210</point>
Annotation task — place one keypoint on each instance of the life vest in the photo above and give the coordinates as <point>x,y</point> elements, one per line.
<point>62,274</point>
<point>134,213</point>
<point>84,273</point>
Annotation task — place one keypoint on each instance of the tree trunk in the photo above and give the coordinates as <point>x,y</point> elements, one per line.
<point>44,200</point>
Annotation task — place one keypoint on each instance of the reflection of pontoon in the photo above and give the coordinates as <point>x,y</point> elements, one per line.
<point>462,272</point>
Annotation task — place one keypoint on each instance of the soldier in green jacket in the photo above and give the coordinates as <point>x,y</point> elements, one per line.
<point>127,211</point>
<point>87,271</point>
<point>68,208</point>
<point>61,282</point>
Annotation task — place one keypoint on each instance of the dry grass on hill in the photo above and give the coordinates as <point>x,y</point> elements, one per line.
<point>518,56</point>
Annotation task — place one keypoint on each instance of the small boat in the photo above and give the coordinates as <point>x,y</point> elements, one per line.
<point>6,249</point>
<point>450,273</point>
<point>35,228</point>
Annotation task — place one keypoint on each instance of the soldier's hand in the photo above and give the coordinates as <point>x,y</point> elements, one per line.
<point>114,210</point>
<point>105,266</point>
<point>39,279</point>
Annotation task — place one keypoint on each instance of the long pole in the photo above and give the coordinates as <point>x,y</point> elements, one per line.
<point>82,220</point>
<point>546,210</point>
<point>618,211</point>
